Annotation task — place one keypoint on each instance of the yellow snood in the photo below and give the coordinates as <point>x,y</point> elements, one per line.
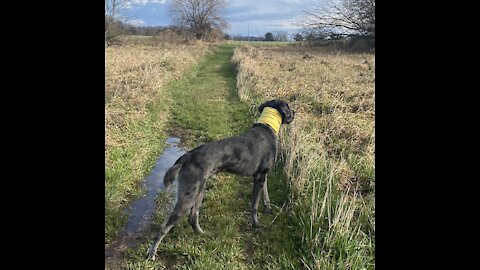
<point>271,117</point>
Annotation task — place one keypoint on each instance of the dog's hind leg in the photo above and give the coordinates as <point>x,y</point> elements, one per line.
<point>259,180</point>
<point>181,208</point>
<point>194,212</point>
<point>266,199</point>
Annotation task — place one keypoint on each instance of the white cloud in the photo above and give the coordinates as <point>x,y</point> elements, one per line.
<point>130,4</point>
<point>137,22</point>
<point>144,2</point>
<point>258,17</point>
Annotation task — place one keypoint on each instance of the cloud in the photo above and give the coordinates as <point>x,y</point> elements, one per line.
<point>137,22</point>
<point>135,3</point>
<point>144,2</point>
<point>258,17</point>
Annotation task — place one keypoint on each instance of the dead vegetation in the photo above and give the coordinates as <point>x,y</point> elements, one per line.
<point>329,149</point>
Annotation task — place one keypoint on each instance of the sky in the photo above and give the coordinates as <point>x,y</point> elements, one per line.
<point>246,17</point>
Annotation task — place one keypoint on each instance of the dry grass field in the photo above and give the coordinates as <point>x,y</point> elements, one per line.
<point>136,114</point>
<point>328,151</point>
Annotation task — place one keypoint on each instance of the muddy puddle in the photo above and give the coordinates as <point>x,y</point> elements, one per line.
<point>141,210</point>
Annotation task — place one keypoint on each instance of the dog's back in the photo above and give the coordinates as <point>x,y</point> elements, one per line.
<point>245,155</point>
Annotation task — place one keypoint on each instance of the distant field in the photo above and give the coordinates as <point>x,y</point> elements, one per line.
<point>328,150</point>
<point>148,40</point>
<point>138,37</point>
<point>261,43</point>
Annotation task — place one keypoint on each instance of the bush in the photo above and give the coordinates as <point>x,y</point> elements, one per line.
<point>170,36</point>
<point>360,44</point>
<point>215,35</point>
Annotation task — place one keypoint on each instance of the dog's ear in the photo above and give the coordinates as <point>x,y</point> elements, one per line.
<point>288,117</point>
<point>286,112</point>
<point>266,104</point>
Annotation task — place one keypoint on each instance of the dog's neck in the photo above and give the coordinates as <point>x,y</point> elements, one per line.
<point>272,118</point>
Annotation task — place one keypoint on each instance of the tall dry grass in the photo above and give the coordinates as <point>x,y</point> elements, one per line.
<point>134,76</point>
<point>327,151</point>
<point>136,113</point>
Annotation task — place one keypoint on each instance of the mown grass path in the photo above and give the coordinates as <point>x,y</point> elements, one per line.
<point>205,106</point>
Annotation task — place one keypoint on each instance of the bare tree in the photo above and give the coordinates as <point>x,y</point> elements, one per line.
<point>341,18</point>
<point>113,18</point>
<point>297,37</point>
<point>280,36</point>
<point>202,16</point>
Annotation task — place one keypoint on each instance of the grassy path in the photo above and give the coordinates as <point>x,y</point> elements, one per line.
<point>206,107</point>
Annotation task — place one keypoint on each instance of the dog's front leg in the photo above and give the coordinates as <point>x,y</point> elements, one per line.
<point>258,182</point>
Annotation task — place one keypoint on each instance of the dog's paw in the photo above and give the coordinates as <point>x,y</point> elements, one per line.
<point>151,257</point>
<point>257,227</point>
<point>199,230</point>
<point>267,210</point>
<point>151,254</point>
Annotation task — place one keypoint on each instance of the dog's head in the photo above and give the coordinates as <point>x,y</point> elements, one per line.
<point>282,107</point>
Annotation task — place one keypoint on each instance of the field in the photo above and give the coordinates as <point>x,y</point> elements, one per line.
<point>136,113</point>
<point>322,187</point>
<point>261,43</point>
<point>328,151</point>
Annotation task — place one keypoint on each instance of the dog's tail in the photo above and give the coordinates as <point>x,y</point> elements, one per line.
<point>171,173</point>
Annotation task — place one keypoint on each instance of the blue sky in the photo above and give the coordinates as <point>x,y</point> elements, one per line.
<point>260,16</point>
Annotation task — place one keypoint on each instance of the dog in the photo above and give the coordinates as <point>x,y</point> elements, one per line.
<point>249,154</point>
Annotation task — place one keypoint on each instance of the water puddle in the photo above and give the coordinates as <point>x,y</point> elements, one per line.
<point>141,210</point>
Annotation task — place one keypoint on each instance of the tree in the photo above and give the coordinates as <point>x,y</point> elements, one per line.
<point>268,36</point>
<point>298,37</point>
<point>280,36</point>
<point>201,16</point>
<point>113,18</point>
<point>341,18</point>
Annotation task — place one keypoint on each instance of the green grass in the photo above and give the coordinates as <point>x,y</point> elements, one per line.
<point>136,37</point>
<point>121,176</point>
<point>137,108</point>
<point>205,105</point>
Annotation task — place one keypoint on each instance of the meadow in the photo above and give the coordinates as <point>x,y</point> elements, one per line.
<point>136,114</point>
<point>328,152</point>
<point>322,187</point>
